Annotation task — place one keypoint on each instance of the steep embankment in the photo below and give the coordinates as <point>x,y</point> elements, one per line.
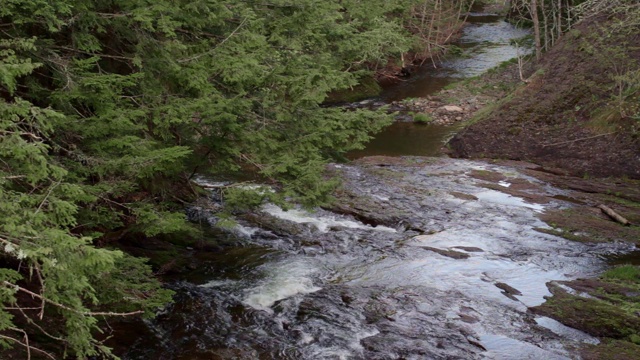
<point>577,112</point>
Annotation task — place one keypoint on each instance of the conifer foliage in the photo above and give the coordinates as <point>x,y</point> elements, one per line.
<point>107,106</point>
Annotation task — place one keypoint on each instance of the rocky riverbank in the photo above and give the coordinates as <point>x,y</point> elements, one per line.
<point>418,258</point>
<point>464,100</point>
<point>585,141</point>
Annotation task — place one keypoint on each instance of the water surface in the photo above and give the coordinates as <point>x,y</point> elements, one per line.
<point>486,41</point>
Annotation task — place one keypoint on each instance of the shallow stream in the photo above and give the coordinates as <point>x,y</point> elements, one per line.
<point>424,262</point>
<point>432,264</point>
<point>486,41</point>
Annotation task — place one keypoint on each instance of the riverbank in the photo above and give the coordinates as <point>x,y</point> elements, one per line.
<point>565,115</point>
<point>584,139</point>
<point>460,102</point>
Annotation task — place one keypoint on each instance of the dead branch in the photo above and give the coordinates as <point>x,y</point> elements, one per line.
<point>86,313</point>
<point>614,215</point>
<point>28,347</point>
<point>581,139</point>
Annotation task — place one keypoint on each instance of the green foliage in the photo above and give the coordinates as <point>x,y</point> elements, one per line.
<point>107,108</point>
<point>625,273</point>
<point>423,118</point>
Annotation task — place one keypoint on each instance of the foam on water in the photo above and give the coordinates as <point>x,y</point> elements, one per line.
<point>282,280</point>
<point>323,223</point>
<point>497,197</point>
<point>204,181</point>
<point>245,231</point>
<point>216,283</point>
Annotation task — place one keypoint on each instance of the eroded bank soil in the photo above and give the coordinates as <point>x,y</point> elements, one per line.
<point>566,115</point>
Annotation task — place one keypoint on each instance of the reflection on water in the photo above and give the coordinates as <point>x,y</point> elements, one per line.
<point>631,258</point>
<point>486,45</point>
<point>486,42</point>
<point>404,138</point>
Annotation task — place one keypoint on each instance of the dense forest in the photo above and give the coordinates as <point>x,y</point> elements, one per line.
<point>108,108</point>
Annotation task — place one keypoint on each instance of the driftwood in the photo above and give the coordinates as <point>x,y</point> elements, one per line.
<point>614,215</point>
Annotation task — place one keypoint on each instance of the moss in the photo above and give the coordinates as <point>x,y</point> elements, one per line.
<point>628,273</point>
<point>611,349</point>
<point>610,312</point>
<point>588,226</point>
<point>596,316</point>
<point>566,234</point>
<point>422,118</point>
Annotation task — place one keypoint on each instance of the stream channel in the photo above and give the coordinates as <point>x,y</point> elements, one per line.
<point>423,261</point>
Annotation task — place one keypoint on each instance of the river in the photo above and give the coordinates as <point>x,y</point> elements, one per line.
<point>424,260</point>
<point>486,41</point>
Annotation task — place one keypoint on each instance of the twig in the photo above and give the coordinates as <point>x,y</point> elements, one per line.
<point>33,323</point>
<point>196,57</point>
<point>47,196</point>
<point>86,313</point>
<point>581,139</point>
<point>29,347</point>
<point>42,290</point>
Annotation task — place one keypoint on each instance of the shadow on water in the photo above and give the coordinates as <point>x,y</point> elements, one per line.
<point>632,258</point>
<point>402,138</point>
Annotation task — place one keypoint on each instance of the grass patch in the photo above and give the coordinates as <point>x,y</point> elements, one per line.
<point>628,273</point>
<point>487,110</point>
<point>423,118</point>
<point>605,120</point>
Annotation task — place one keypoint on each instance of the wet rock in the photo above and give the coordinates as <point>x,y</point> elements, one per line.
<point>476,343</point>
<point>463,196</point>
<point>468,318</point>
<point>508,291</point>
<point>448,253</point>
<point>469,248</point>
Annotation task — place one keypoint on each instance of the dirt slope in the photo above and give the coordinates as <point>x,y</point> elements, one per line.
<point>566,116</point>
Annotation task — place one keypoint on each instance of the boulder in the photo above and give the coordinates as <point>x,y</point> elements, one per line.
<point>452,108</point>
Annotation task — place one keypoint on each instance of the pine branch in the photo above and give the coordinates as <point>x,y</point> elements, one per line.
<point>85,313</point>
<point>196,57</point>
<point>29,347</point>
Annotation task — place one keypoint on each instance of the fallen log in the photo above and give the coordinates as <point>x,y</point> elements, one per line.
<point>614,215</point>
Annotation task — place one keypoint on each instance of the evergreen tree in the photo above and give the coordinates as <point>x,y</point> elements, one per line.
<point>107,107</point>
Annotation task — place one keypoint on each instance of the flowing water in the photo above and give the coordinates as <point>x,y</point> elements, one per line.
<point>486,41</point>
<point>430,263</point>
<point>434,265</point>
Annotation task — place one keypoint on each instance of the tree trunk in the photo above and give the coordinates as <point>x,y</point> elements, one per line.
<point>536,28</point>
